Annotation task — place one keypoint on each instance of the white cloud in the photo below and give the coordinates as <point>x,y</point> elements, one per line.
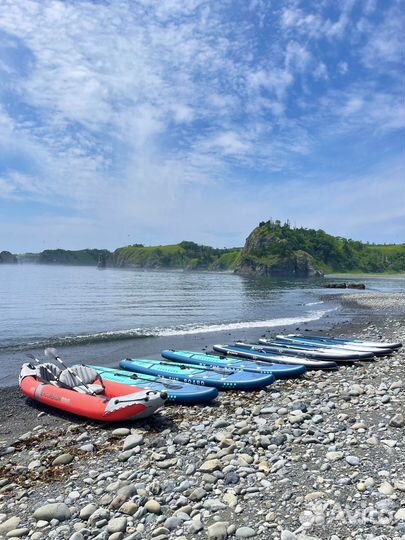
<point>321,71</point>
<point>354,104</point>
<point>142,114</point>
<point>230,143</point>
<point>384,39</point>
<point>296,20</point>
<point>343,67</point>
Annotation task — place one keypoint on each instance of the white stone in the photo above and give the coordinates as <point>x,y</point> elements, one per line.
<point>386,488</point>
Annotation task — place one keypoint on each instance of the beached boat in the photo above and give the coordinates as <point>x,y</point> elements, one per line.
<point>235,364</point>
<point>96,399</point>
<point>223,379</point>
<point>178,392</point>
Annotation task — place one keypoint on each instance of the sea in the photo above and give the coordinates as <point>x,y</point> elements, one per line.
<point>102,316</point>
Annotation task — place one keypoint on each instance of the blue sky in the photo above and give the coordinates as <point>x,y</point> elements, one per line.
<point>155,121</point>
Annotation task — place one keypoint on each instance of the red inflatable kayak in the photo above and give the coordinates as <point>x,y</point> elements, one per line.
<point>96,399</point>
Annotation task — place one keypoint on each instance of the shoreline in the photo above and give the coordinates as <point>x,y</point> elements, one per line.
<point>304,458</point>
<point>333,275</point>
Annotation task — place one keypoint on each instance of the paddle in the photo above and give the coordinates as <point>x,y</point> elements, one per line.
<point>165,382</point>
<point>53,353</point>
<point>43,365</point>
<point>192,366</point>
<point>257,362</point>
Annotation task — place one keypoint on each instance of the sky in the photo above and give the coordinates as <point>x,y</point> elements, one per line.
<point>157,121</point>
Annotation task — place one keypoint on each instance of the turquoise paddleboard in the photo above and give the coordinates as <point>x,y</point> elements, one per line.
<point>235,364</point>
<point>177,391</point>
<point>223,379</point>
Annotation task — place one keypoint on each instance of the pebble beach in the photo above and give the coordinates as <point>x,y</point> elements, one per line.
<point>319,457</point>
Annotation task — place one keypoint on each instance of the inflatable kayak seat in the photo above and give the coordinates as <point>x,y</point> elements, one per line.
<point>70,379</point>
<point>48,372</point>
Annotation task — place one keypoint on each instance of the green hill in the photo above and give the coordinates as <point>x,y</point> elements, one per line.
<point>186,255</point>
<point>82,257</point>
<point>277,249</point>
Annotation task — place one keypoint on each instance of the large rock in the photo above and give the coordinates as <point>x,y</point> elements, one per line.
<point>18,533</point>
<point>87,511</point>
<point>9,525</point>
<point>63,459</point>
<point>152,506</point>
<point>132,441</point>
<point>218,530</point>
<point>211,465</point>
<point>118,524</point>
<point>52,511</point>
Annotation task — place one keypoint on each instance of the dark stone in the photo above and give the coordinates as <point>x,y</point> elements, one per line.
<point>231,478</point>
<point>279,440</point>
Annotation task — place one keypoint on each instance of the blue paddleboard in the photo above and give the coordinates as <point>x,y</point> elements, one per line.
<point>177,391</point>
<point>235,364</point>
<point>297,367</point>
<point>219,378</point>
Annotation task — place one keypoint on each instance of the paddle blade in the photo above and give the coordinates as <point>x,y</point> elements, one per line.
<point>31,356</point>
<point>51,352</point>
<point>262,364</point>
<point>220,371</point>
<point>169,384</point>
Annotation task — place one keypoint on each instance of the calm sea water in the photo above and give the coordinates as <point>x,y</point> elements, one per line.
<point>68,306</point>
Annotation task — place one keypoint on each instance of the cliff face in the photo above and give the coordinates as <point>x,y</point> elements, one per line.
<point>268,253</point>
<point>7,258</point>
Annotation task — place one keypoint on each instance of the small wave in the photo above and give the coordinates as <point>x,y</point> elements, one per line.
<point>270,323</point>
<point>314,303</point>
<point>83,339</point>
<point>138,333</point>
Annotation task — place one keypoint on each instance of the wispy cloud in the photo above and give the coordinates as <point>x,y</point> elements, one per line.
<point>133,112</point>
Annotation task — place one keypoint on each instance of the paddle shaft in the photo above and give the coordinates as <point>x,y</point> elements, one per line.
<point>191,366</point>
<point>168,384</point>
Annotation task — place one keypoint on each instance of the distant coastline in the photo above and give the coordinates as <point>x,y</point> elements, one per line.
<point>273,249</point>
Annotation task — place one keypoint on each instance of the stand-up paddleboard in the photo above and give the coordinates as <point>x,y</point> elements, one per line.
<point>177,392</point>
<point>219,378</point>
<point>330,344</point>
<point>278,370</point>
<point>279,346</point>
<point>348,343</point>
<point>258,353</point>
